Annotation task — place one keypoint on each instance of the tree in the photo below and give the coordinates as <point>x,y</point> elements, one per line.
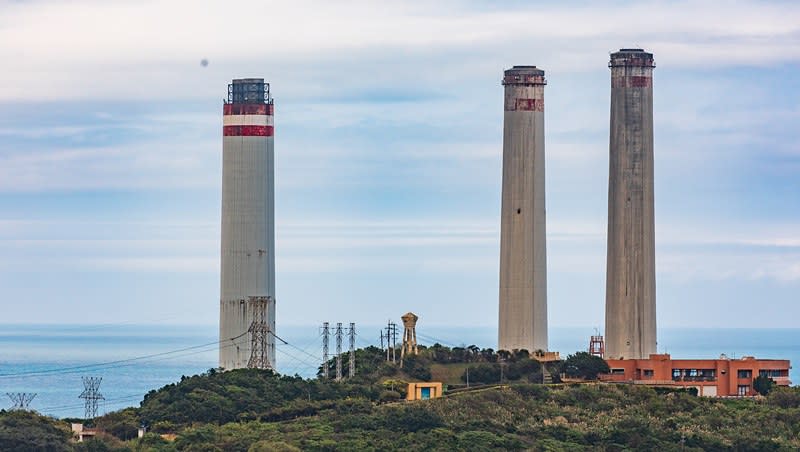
<point>482,373</point>
<point>123,424</point>
<point>417,367</point>
<point>583,365</point>
<point>763,384</point>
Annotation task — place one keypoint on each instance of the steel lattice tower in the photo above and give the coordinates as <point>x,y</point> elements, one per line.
<point>326,335</point>
<point>260,333</point>
<point>21,399</point>
<point>91,394</point>
<point>351,333</point>
<point>339,351</point>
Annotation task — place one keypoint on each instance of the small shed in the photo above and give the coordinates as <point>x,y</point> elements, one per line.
<point>424,390</point>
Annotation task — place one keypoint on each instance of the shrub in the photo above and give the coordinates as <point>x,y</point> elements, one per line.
<point>26,430</point>
<point>389,396</point>
<point>785,397</point>
<point>482,373</point>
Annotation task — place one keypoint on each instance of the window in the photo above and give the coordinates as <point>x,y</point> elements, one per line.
<point>617,371</point>
<point>744,389</point>
<point>707,374</point>
<point>676,374</point>
<point>772,373</point>
<point>648,373</point>
<point>744,373</point>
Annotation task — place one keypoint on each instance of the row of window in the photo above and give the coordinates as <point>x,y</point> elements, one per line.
<point>694,373</point>
<point>770,373</point>
<point>773,373</point>
<point>709,374</point>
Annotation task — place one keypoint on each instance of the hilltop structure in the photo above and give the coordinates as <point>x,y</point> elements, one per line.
<point>248,221</point>
<point>409,336</point>
<point>523,257</point>
<point>723,377</point>
<point>630,272</point>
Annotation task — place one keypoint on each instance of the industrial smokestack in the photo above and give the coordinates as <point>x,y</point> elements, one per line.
<point>523,258</point>
<point>630,272</point>
<point>248,218</point>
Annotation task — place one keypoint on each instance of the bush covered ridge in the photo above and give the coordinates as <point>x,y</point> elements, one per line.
<point>254,410</point>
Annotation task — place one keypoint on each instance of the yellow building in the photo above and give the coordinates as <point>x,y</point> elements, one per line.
<point>424,390</point>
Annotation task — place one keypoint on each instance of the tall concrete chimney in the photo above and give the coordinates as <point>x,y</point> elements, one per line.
<point>523,257</point>
<point>630,271</point>
<point>248,218</point>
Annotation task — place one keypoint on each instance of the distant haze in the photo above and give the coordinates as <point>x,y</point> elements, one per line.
<point>388,156</point>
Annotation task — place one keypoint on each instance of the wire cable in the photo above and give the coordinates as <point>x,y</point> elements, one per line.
<point>105,365</point>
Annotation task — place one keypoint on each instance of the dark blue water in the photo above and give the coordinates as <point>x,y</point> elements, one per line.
<point>50,360</point>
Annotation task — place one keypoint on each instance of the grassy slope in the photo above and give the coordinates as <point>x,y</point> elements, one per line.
<point>449,373</point>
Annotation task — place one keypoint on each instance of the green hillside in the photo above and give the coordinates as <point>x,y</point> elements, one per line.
<point>256,410</point>
<point>250,410</point>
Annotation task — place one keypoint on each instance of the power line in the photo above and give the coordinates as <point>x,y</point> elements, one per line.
<point>434,340</point>
<point>58,408</point>
<point>111,363</point>
<point>315,358</point>
<point>302,363</point>
<point>299,363</point>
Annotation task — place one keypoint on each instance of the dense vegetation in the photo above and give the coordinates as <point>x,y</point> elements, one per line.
<point>25,431</point>
<point>513,417</point>
<point>585,366</point>
<point>251,410</point>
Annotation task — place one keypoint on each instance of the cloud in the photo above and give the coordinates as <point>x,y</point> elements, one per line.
<point>134,49</point>
<point>389,138</point>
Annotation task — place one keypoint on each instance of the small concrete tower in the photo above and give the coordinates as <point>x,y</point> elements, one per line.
<point>523,257</point>
<point>630,272</point>
<point>409,336</point>
<point>248,222</point>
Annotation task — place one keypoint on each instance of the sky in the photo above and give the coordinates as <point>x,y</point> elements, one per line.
<point>388,156</point>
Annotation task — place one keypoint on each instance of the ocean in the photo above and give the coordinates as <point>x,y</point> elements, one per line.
<point>50,360</point>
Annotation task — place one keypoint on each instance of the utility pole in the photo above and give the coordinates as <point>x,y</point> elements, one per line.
<point>394,342</point>
<point>388,341</point>
<point>391,341</point>
<point>381,339</point>
<point>339,351</point>
<point>21,399</point>
<point>352,336</point>
<point>91,394</point>
<point>326,334</point>
<point>259,333</point>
